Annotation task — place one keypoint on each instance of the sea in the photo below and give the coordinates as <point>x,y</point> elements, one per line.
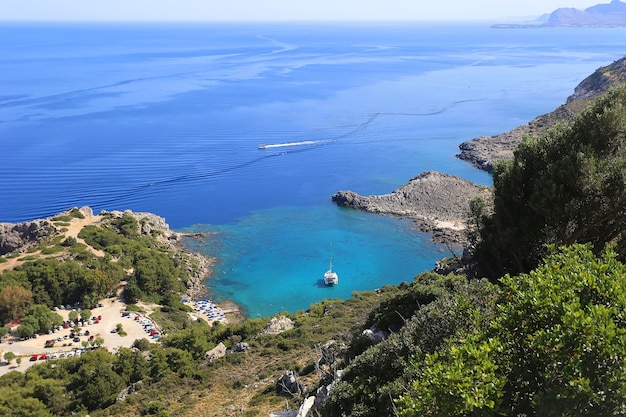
<point>168,118</point>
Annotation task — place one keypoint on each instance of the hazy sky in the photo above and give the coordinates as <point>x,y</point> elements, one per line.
<point>281,9</point>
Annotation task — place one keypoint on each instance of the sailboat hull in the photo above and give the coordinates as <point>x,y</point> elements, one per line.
<point>331,278</point>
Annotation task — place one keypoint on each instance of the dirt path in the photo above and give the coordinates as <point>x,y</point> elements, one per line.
<point>71,230</point>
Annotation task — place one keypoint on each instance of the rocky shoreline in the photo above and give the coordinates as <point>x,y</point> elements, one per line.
<point>484,151</point>
<point>438,203</point>
<point>19,238</point>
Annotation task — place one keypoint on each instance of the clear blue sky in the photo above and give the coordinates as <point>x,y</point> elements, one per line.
<point>195,10</point>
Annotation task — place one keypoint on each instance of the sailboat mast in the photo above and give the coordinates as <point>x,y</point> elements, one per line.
<point>331,257</point>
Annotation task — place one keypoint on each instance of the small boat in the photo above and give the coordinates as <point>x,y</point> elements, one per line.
<point>282,145</point>
<point>330,277</point>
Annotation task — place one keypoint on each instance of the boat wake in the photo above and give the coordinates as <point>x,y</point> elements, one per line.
<point>282,145</point>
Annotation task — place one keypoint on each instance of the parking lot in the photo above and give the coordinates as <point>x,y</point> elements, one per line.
<point>110,316</point>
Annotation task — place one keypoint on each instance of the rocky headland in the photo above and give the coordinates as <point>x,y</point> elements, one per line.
<point>484,151</point>
<point>438,203</point>
<point>22,238</point>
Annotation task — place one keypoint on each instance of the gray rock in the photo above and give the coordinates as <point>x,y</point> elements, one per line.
<point>484,151</point>
<point>289,383</point>
<point>438,203</point>
<point>278,325</point>
<point>374,335</point>
<point>215,353</point>
<point>21,236</point>
<point>241,347</point>
<point>306,407</point>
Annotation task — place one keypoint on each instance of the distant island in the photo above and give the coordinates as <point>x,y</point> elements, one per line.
<point>612,14</point>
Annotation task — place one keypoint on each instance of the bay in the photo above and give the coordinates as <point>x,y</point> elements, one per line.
<point>167,118</point>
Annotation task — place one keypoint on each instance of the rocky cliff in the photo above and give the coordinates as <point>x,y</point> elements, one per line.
<point>484,151</point>
<point>18,238</point>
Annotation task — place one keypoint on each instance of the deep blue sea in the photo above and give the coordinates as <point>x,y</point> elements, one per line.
<point>167,118</point>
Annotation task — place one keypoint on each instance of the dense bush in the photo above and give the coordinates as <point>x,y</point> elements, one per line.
<point>557,347</point>
<point>379,373</point>
<point>562,188</point>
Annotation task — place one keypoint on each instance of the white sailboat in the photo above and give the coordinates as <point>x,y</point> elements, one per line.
<point>330,277</point>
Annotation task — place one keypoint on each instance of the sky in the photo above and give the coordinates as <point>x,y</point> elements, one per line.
<point>279,10</point>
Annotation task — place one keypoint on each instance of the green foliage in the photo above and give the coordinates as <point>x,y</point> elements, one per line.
<point>53,282</point>
<point>380,372</point>
<point>9,356</point>
<point>562,188</point>
<point>557,347</point>
<point>39,319</point>
<point>95,382</point>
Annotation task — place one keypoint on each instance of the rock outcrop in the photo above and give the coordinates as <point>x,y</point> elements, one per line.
<point>484,151</point>
<point>20,237</point>
<point>289,383</point>
<point>438,203</point>
<point>278,325</point>
<point>15,238</point>
<point>215,353</point>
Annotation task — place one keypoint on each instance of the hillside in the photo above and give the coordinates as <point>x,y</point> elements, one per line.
<point>484,151</point>
<point>548,339</point>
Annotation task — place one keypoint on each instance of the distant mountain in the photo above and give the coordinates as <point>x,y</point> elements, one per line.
<point>612,14</point>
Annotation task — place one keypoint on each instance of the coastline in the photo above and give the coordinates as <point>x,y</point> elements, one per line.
<point>437,203</point>
<point>20,238</point>
<point>484,151</point>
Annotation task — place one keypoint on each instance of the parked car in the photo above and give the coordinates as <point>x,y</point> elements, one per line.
<point>76,339</point>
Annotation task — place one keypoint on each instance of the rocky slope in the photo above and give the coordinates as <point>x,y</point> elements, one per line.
<point>484,151</point>
<point>25,237</point>
<point>438,203</point>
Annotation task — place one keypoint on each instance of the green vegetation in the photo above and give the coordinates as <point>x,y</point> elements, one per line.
<point>9,356</point>
<point>73,214</point>
<point>556,347</point>
<point>562,188</point>
<point>543,334</point>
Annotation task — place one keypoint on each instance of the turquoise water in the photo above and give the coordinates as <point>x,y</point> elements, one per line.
<point>168,118</point>
<point>274,260</point>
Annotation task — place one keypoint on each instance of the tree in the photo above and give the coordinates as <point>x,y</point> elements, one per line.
<point>564,187</point>
<point>85,314</point>
<point>73,315</point>
<point>43,318</point>
<point>9,356</point>
<point>28,326</point>
<point>93,381</point>
<point>14,302</point>
<point>557,347</point>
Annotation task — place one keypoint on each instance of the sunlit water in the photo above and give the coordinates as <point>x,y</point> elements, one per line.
<point>168,119</point>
